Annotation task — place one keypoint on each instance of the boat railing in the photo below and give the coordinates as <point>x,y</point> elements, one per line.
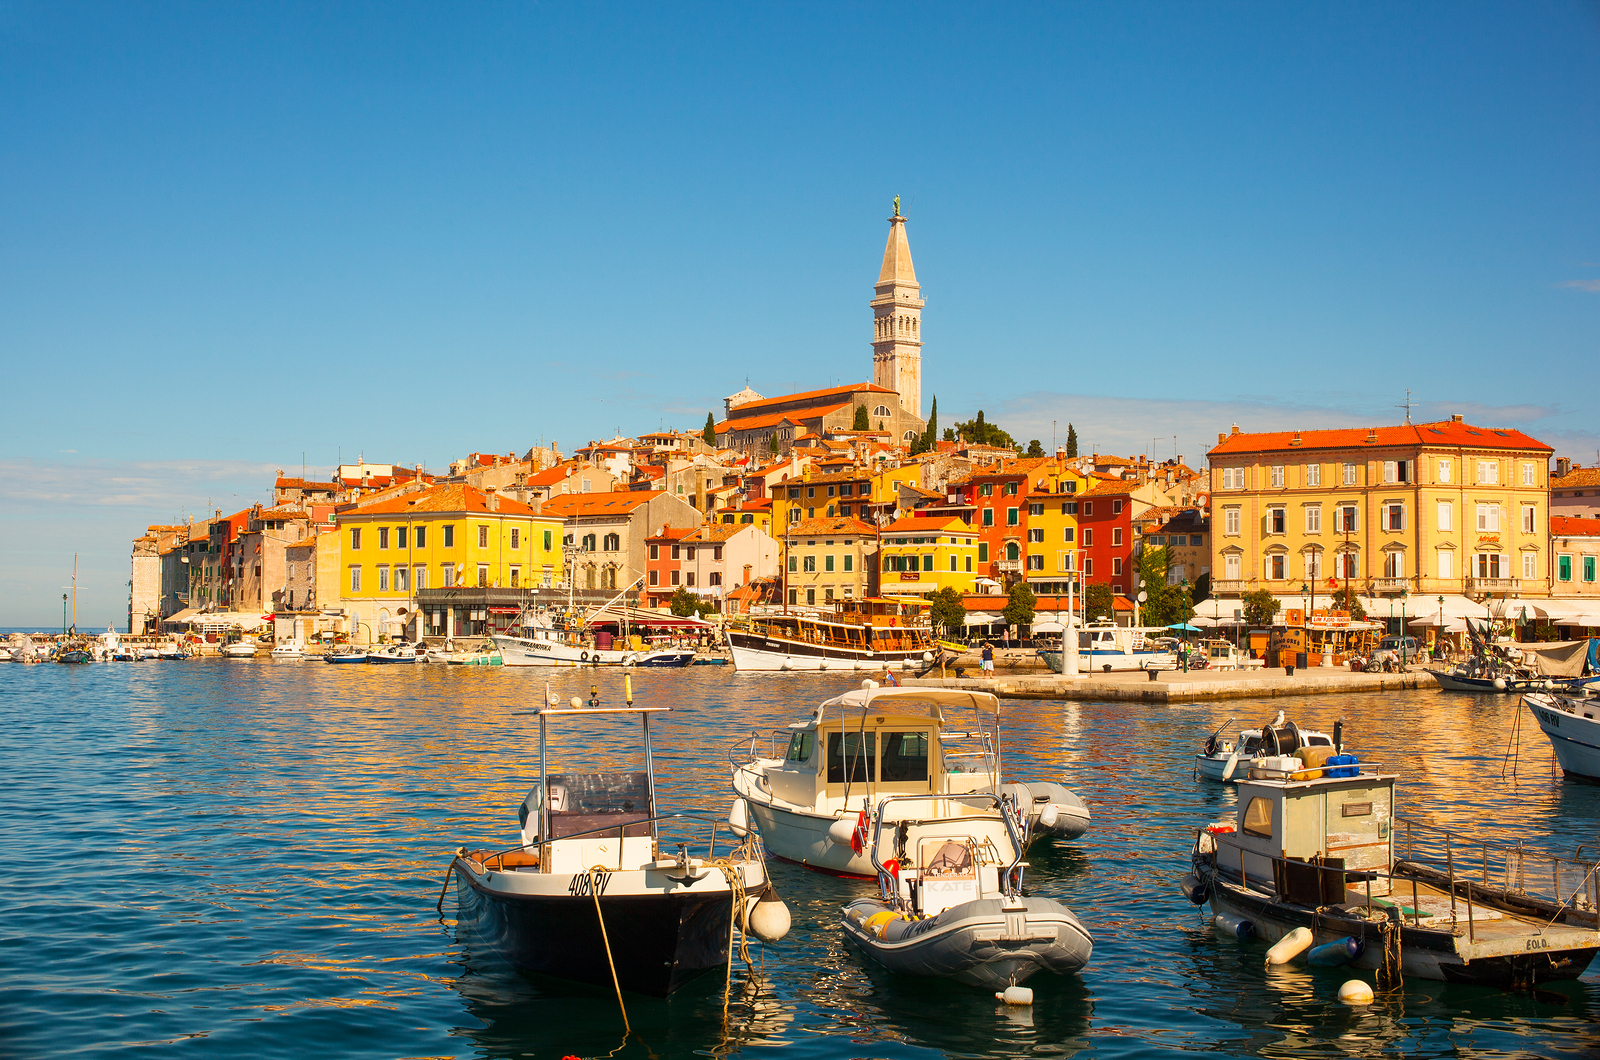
<point>751,842</point>
<point>1513,868</point>
<point>1010,878</point>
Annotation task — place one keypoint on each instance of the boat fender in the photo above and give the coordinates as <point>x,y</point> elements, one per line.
<point>770,919</point>
<point>1193,889</point>
<point>1355,992</point>
<point>739,818</point>
<point>1016,995</point>
<point>1500,684</point>
<point>1291,945</point>
<point>1333,954</point>
<point>1237,926</point>
<point>877,923</point>
<point>584,655</point>
<point>1049,816</point>
<point>842,830</point>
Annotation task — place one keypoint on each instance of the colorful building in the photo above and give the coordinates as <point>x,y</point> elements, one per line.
<point>920,556</point>
<point>1105,532</point>
<point>827,560</point>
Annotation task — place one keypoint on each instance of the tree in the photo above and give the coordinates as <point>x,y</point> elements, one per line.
<point>1259,607</point>
<point>1202,588</point>
<point>1019,608</point>
<point>772,444</point>
<point>978,431</point>
<point>925,440</point>
<point>1035,449</point>
<point>1346,600</point>
<point>710,433</point>
<point>946,609</point>
<point>1164,605</point>
<point>860,423</point>
<point>684,603</point>
<point>1072,440</point>
<point>949,434</point>
<point>1097,602</point>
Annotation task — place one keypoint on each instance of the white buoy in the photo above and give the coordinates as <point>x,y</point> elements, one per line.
<point>1500,684</point>
<point>1016,995</point>
<point>869,683</point>
<point>1355,992</point>
<point>1286,948</point>
<point>770,919</point>
<point>576,703</point>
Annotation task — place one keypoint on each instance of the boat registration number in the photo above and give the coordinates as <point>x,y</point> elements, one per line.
<point>1536,944</point>
<point>587,884</point>
<point>1550,719</point>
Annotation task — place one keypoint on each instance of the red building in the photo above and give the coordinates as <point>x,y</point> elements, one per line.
<point>1105,533</point>
<point>663,567</point>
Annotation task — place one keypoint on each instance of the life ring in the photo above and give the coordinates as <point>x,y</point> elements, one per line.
<point>584,656</point>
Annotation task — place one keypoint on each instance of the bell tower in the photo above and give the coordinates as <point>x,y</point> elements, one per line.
<point>897,320</point>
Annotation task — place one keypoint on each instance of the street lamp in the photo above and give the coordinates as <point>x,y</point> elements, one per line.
<point>1438,638</point>
<point>63,614</point>
<point>1402,629</point>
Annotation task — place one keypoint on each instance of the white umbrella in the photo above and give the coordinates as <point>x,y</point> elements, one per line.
<point>1048,626</point>
<point>1204,620</point>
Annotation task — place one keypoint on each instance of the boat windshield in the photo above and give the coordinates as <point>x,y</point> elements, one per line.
<point>582,802</point>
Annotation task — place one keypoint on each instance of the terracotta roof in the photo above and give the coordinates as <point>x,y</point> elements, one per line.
<point>672,533</point>
<point>829,526</point>
<point>835,392</point>
<point>743,422</point>
<point>449,497</point>
<point>552,475</point>
<point>1577,478</point>
<point>1444,433</point>
<point>925,524</point>
<point>1574,526</point>
<point>569,505</point>
<point>1109,487</point>
<point>715,532</point>
<point>305,484</point>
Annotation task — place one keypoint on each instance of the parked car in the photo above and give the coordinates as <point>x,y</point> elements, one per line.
<point>1395,651</point>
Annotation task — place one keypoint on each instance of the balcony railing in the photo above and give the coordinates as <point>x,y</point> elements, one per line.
<point>1229,585</point>
<point>1390,585</point>
<point>1010,566</point>
<point>1494,585</point>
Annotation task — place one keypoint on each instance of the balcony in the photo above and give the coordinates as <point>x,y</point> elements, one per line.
<point>1488,586</point>
<point>1010,566</point>
<point>1238,585</point>
<point>1390,585</point>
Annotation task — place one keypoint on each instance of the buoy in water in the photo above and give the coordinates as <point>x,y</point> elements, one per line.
<point>1237,926</point>
<point>1193,889</point>
<point>1355,992</point>
<point>1333,954</point>
<point>1288,947</point>
<point>770,919</point>
<point>1016,995</point>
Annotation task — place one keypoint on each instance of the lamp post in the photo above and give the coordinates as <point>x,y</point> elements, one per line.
<point>1402,629</point>
<point>1438,639</point>
<point>63,614</point>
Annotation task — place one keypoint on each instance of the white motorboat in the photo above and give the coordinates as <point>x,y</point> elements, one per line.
<point>1105,647</point>
<point>148,653</point>
<point>867,634</point>
<point>1573,725</point>
<point>289,649</point>
<point>1313,857</point>
<point>593,890</point>
<point>1224,760</point>
<point>484,655</point>
<point>950,902</point>
<point>240,649</point>
<point>398,653</point>
<point>807,796</point>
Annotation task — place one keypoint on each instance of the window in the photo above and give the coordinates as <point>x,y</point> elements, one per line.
<point>483,576</point>
<point>449,572</point>
<point>811,492</point>
<point>1347,565</point>
<point>1034,563</point>
<point>1277,476</point>
<point>1314,519</point>
<point>881,410</point>
<point>1230,521</point>
<point>383,579</point>
<point>689,579</point>
<point>716,554</point>
<point>1489,518</point>
<point>1488,472</point>
<point>655,577</point>
<point>1069,507</point>
<point>1349,474</point>
<point>421,580</point>
<point>655,551</point>
<point>1444,471</point>
<point>1394,564</point>
<point>1396,471</point>
<point>516,539</point>
<point>1088,507</point>
<point>399,537</point>
<point>587,544</point>
<point>1529,517</point>
<point>1088,566</point>
<point>1116,565</point>
<point>355,537</point>
<point>1036,534</point>
<point>483,538</point>
<point>1313,565</point>
<point>811,597</point>
<point>1011,517</point>
<point>1035,509</point>
<point>676,576</point>
<point>983,552</point>
<point>355,576</point>
<point>969,568</point>
<point>1233,478</point>
<point>1492,565</point>
<point>612,542</point>
<point>1394,517</point>
<point>1347,519</point>
<point>827,564</point>
<point>1563,569</point>
<point>1010,489</point>
<point>1277,520</point>
<point>1012,552</point>
<point>1258,818</point>
<point>1088,536</point>
<point>809,564</point>
<point>1446,515</point>
<point>1116,536</point>
<point>1231,567</point>
<point>1530,565</point>
<point>986,489</point>
<point>383,537</point>
<point>420,538</point>
<point>849,563</point>
<point>1313,474</point>
<point>794,562</point>
<point>1068,534</point>
<point>516,577</point>
<point>402,580</point>
<point>988,517</point>
<point>449,537</point>
<point>546,540</point>
<point>1529,477</point>
<point>714,578</point>
<point>1275,566</point>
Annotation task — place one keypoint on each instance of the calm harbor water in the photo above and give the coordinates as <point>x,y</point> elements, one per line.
<point>241,858</point>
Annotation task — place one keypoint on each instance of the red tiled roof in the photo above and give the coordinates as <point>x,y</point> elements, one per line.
<point>1577,478</point>
<point>305,484</point>
<point>672,533</point>
<point>739,422</point>
<point>833,392</point>
<point>569,505</point>
<point>839,525</point>
<point>449,497</point>
<point>1574,526</point>
<point>1445,432</point>
<point>915,525</point>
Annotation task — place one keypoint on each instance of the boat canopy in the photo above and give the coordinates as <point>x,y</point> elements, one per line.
<point>895,698</point>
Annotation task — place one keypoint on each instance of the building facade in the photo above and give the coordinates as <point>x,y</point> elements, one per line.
<point>897,323</point>
<point>918,556</point>
<point>828,560</point>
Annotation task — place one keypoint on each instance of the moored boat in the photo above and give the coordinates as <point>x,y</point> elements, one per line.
<point>244,648</point>
<point>1572,724</point>
<point>484,655</point>
<point>950,902</point>
<point>807,794</point>
<point>345,654</point>
<point>1103,647</point>
<point>866,634</point>
<point>1224,760</point>
<point>289,649</point>
<point>593,890</point>
<point>398,653</point>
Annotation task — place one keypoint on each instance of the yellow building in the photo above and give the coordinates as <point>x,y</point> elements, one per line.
<point>1051,556</point>
<point>1426,509</point>
<point>442,537</point>
<point>921,556</point>
<point>827,560</point>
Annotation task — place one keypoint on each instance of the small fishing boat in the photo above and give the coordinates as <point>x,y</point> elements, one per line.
<point>1313,855</point>
<point>289,649</point>
<point>950,902</point>
<point>484,655</point>
<point>244,648</point>
<point>398,653</point>
<point>1224,760</point>
<point>171,650</point>
<point>345,654</point>
<point>1573,725</point>
<point>806,794</point>
<point>146,654</point>
<point>74,655</point>
<point>594,891</point>
<point>1105,647</point>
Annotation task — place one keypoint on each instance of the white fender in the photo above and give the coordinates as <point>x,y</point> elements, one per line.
<point>739,818</point>
<point>1286,948</point>
<point>842,830</point>
<point>770,919</point>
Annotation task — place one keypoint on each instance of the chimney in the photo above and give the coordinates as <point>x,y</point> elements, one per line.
<point>1455,417</point>
<point>1235,429</point>
<point>1296,439</point>
<point>1372,435</point>
<point>491,501</point>
<point>1563,465</point>
<point>1221,437</point>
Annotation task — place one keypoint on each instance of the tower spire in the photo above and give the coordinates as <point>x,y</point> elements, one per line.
<point>897,320</point>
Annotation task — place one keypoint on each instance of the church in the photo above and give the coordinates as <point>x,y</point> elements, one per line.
<point>893,400</point>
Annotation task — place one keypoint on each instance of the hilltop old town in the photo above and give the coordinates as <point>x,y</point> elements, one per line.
<point>801,501</point>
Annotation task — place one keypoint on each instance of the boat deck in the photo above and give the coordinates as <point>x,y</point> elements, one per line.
<point>1488,930</point>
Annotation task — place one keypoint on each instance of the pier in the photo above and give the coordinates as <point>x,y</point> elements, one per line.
<point>1175,686</point>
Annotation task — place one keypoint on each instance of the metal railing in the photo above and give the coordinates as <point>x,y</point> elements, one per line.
<point>752,839</point>
<point>1511,868</point>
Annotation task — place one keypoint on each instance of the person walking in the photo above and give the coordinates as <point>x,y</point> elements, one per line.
<point>988,658</point>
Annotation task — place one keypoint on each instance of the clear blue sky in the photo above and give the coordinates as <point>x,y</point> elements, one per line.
<point>233,234</point>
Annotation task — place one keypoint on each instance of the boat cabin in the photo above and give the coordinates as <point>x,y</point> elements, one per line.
<point>1337,822</point>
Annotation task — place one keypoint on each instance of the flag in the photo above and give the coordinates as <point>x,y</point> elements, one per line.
<point>858,838</point>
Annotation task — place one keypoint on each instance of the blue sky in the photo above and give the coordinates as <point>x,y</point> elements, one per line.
<point>235,237</point>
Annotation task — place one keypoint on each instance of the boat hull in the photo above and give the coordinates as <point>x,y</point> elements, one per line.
<point>758,652</point>
<point>802,838</point>
<point>1452,682</point>
<point>1213,766</point>
<point>980,943</point>
<point>1574,737</point>
<point>525,651</point>
<point>343,659</point>
<point>1091,661</point>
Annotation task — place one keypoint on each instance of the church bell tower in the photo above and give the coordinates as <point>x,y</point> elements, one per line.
<point>897,320</point>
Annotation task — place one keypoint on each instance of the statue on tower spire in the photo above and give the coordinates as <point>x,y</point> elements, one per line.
<point>897,206</point>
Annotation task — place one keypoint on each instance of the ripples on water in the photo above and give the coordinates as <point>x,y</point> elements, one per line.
<point>242,858</point>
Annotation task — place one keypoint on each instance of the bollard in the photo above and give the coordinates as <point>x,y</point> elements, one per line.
<point>1152,674</point>
<point>1288,671</point>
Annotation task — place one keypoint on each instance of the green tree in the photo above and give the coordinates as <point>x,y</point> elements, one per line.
<point>978,431</point>
<point>1019,606</point>
<point>1097,602</point>
<point>946,609</point>
<point>710,433</point>
<point>1202,588</point>
<point>1035,449</point>
<point>925,440</point>
<point>684,603</point>
<point>860,423</point>
<point>1259,608</point>
<point>1164,604</point>
<point>1346,600</point>
<point>772,444</point>
<point>949,434</point>
<point>1072,440</point>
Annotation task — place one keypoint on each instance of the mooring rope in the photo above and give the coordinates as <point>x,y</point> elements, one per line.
<point>594,891</point>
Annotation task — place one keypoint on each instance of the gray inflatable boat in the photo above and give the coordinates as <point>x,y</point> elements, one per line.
<point>950,902</point>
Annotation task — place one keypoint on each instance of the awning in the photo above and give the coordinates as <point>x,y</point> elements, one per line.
<point>1558,612</point>
<point>246,620</point>
<point>1048,625</point>
<point>982,618</point>
<point>182,616</point>
<point>615,616</point>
